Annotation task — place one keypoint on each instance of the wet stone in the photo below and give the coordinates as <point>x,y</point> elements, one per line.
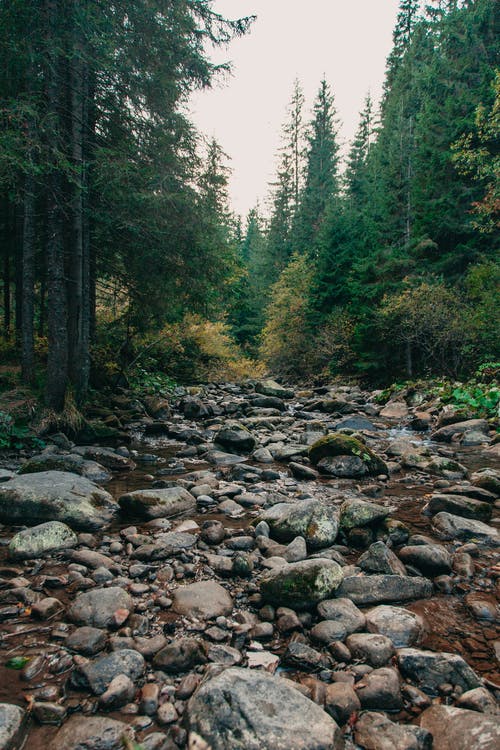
<point>87,640</point>
<point>99,673</point>
<point>98,607</point>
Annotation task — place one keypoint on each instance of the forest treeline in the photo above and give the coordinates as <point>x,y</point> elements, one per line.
<point>387,266</point>
<point>119,248</point>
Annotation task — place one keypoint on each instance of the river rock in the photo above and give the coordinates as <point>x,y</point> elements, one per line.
<point>341,701</point>
<point>449,526</point>
<point>272,388</point>
<point>205,600</point>
<point>459,505</point>
<point>445,434</point>
<point>378,558</point>
<point>44,539</point>
<point>380,589</point>
<point>373,649</point>
<point>11,726</point>
<point>488,479</point>
<point>99,673</point>
<point>344,613</point>
<point>313,520</point>
<point>460,729</point>
<point>403,627</point>
<point>235,439</point>
<point>98,607</point>
<point>356,513</point>
<point>375,731</point>
<point>243,709</point>
<point>87,640</point>
<point>429,669</point>
<point>380,690</point>
<point>92,733</point>
<point>180,655</point>
<point>429,559</point>
<point>56,496</point>
<point>338,444</point>
<point>151,504</point>
<point>105,456</point>
<point>69,462</point>
<point>301,585</point>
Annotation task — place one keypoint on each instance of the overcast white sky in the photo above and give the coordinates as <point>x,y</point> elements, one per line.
<point>347,41</point>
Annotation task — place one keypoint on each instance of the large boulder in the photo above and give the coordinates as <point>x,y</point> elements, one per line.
<point>205,599</point>
<point>56,496</point>
<point>338,444</point>
<point>302,584</point>
<point>445,434</point>
<point>42,540</point>
<point>243,709</point>
<point>160,503</point>
<point>311,519</point>
<point>459,505</point>
<point>92,733</point>
<point>66,462</point>
<point>449,526</point>
<point>460,729</point>
<point>381,589</point>
<point>430,669</point>
<point>97,607</point>
<point>12,719</point>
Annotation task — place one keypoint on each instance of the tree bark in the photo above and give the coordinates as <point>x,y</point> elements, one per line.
<point>57,362</point>
<point>28,283</point>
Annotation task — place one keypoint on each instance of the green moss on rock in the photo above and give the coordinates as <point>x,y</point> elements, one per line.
<point>338,444</point>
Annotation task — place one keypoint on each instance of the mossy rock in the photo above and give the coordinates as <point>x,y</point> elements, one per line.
<point>96,432</point>
<point>338,444</point>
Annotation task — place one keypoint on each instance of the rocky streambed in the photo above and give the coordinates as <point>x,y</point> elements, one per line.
<point>257,568</point>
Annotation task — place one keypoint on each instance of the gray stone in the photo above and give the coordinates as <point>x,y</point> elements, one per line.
<point>75,464</point>
<point>380,690</point>
<point>356,513</point>
<point>430,559</point>
<point>105,456</point>
<point>99,673</point>
<point>403,627</point>
<point>344,613</point>
<point>341,701</point>
<point>349,467</point>
<point>311,519</point>
<point>11,726</point>
<point>301,585</point>
<point>380,589</point>
<point>449,526</point>
<point>244,709</point>
<point>120,691</point>
<point>235,439</point>
<point>92,733</point>
<point>445,434</point>
<point>479,699</point>
<point>150,504</point>
<point>373,649</point>
<point>459,729</point>
<point>429,669</point>
<point>378,558</point>
<point>205,600</point>
<point>180,655</point>
<point>327,631</point>
<point>375,731</point>
<point>56,496</point>
<point>44,539</point>
<point>87,640</point>
<point>98,606</point>
<point>272,388</point>
<point>459,505</point>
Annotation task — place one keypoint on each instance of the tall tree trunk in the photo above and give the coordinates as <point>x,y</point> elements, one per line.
<point>18,260</point>
<point>57,362</point>
<point>28,282</point>
<point>6,245</point>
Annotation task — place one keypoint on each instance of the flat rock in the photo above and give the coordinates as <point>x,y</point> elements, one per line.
<point>44,539</point>
<point>380,589</point>
<point>72,463</point>
<point>429,669</point>
<point>356,513</point>
<point>97,607</point>
<point>375,731</point>
<point>272,388</point>
<point>459,505</point>
<point>450,526</point>
<point>403,627</point>
<point>162,503</point>
<point>445,434</point>
<point>92,733</point>
<point>11,726</point>
<point>56,496</point>
<point>460,729</point>
<point>302,584</point>
<point>243,709</point>
<point>205,600</point>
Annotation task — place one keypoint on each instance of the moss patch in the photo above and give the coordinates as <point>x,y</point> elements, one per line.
<point>338,444</point>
